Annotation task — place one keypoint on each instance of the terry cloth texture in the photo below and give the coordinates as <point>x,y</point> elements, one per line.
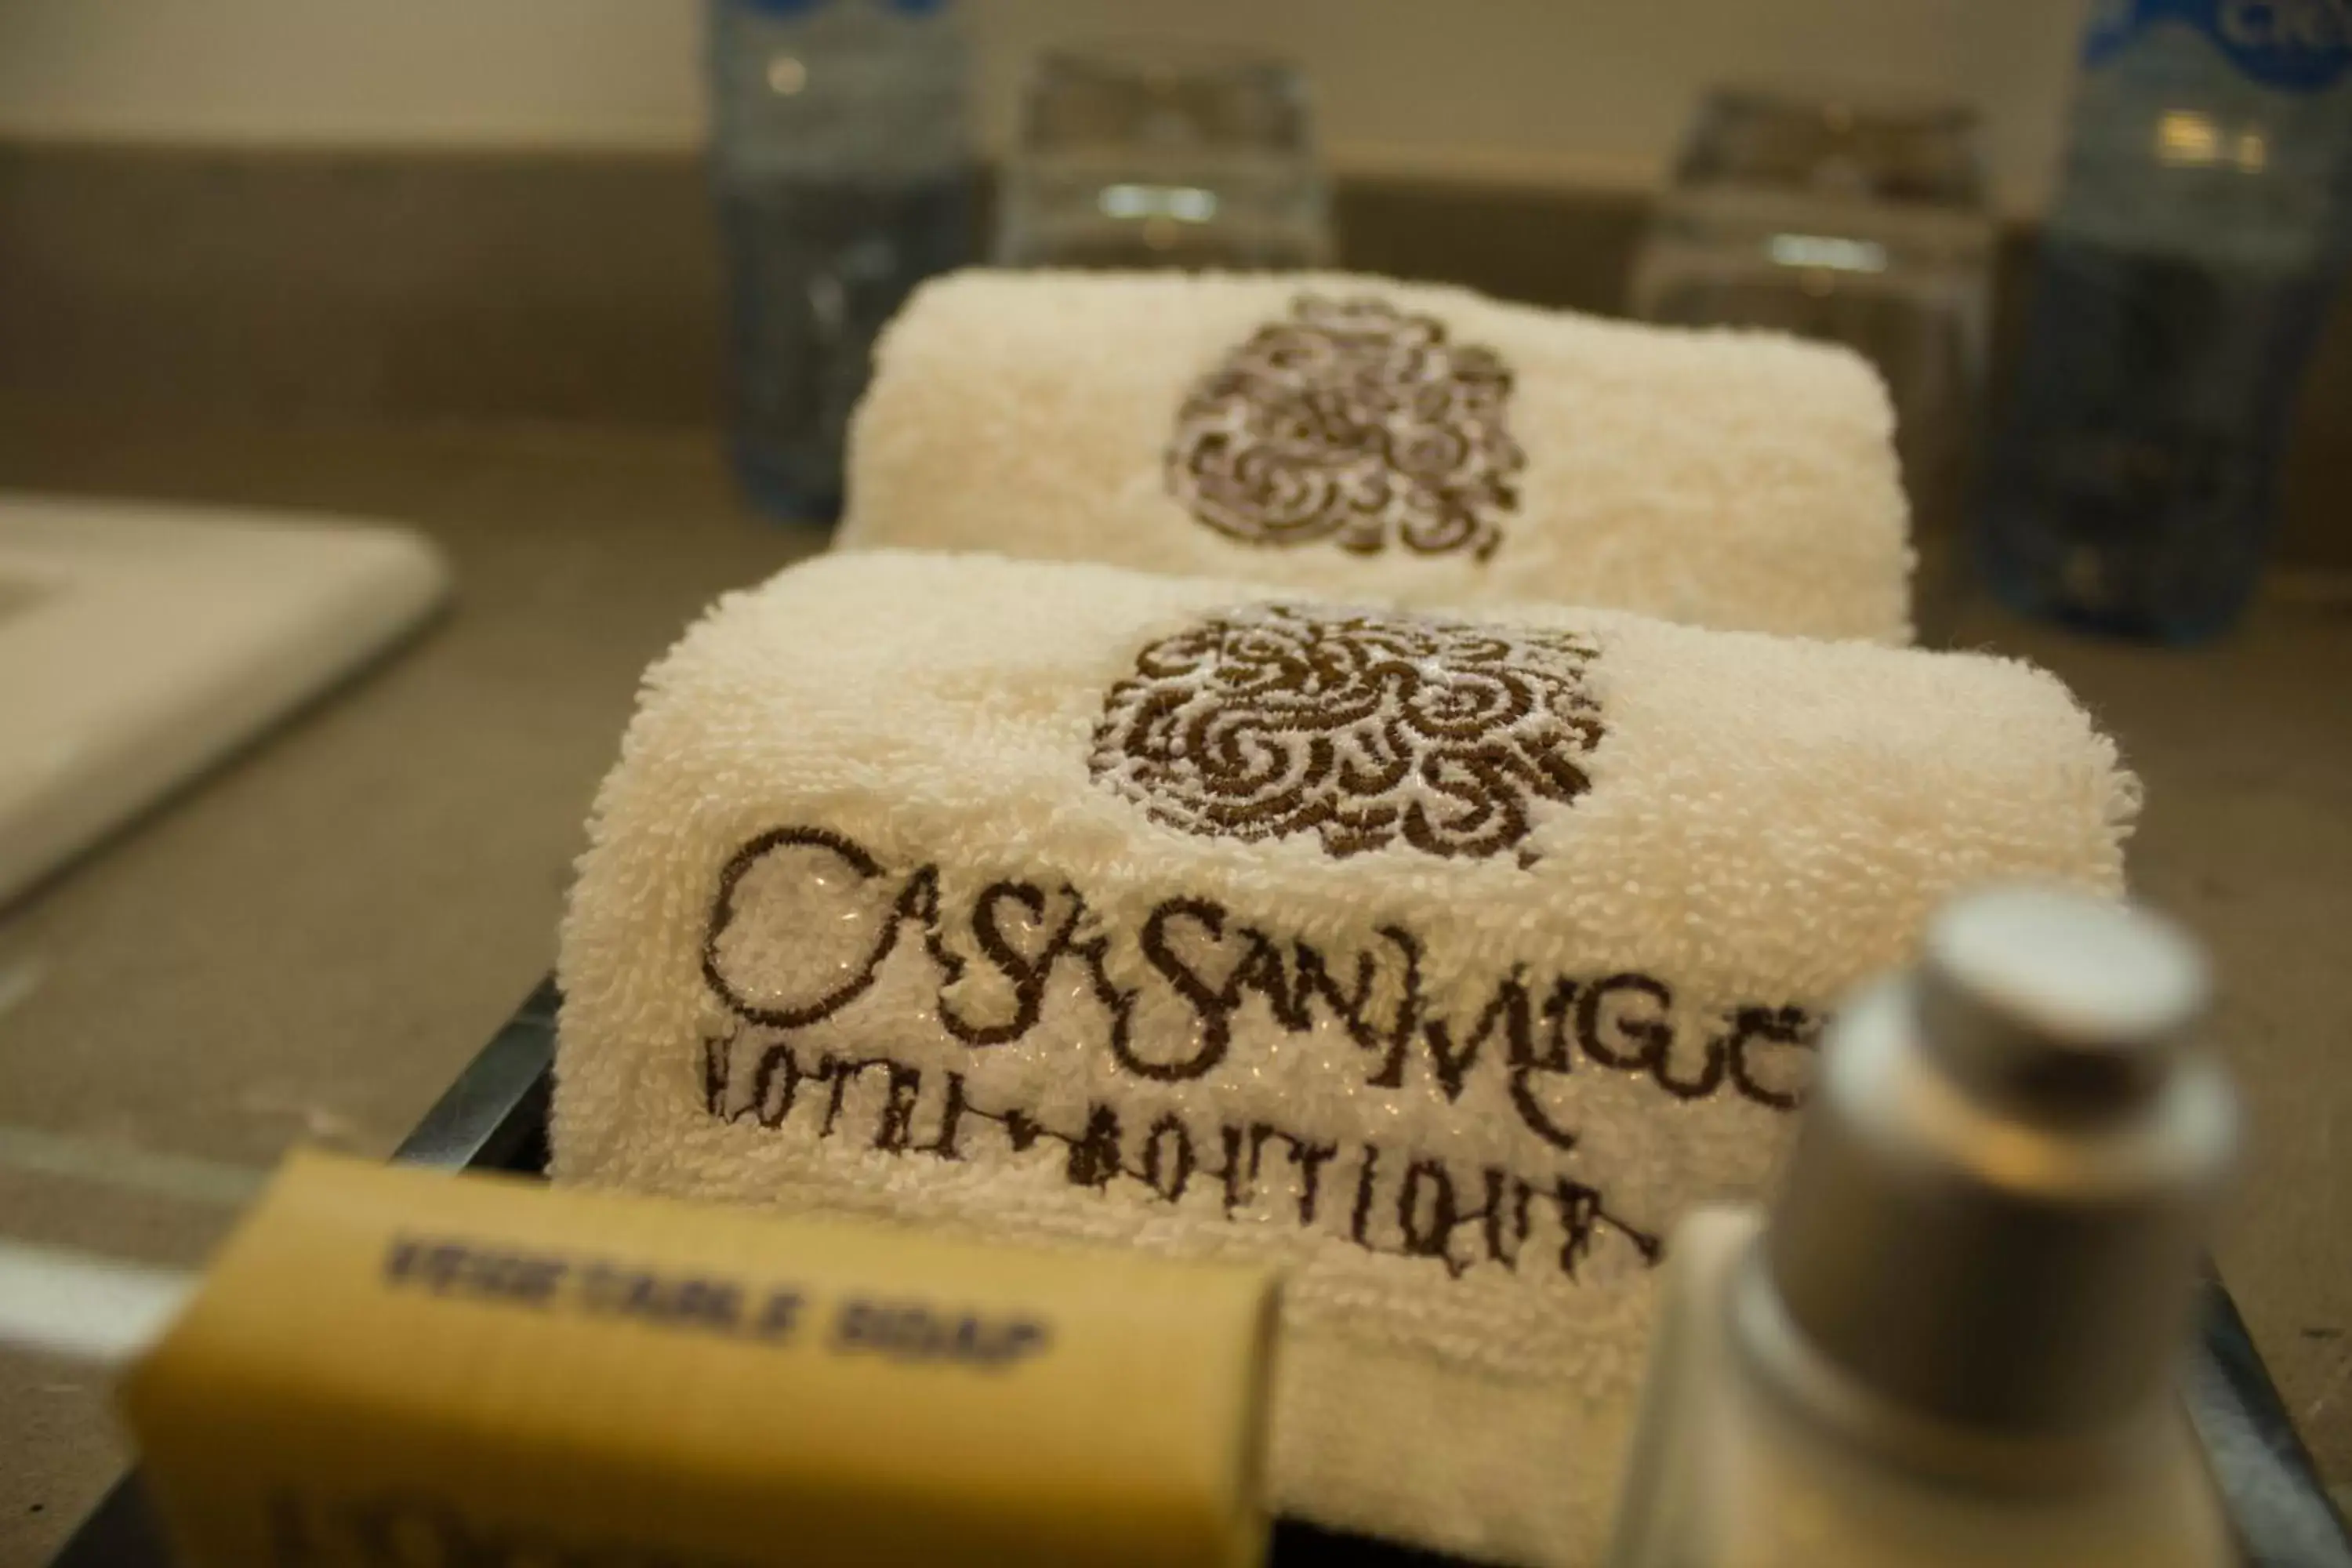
<point>1360,437</point>
<point>1443,959</point>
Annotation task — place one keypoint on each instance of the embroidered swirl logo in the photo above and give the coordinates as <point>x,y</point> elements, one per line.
<point>1360,727</point>
<point>1355,424</point>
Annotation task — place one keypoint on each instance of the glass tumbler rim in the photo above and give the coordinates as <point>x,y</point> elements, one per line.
<point>1145,60</point>
<point>1856,103</point>
<point>1836,137</point>
<point>1163,95</point>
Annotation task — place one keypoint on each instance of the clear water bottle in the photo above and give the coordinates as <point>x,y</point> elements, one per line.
<point>840,162</point>
<point>2184,270</point>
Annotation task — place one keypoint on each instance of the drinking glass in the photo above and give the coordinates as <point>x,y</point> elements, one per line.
<point>1861,220</point>
<point>1158,155</point>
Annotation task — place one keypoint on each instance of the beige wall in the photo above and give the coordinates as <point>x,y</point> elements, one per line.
<point>1538,90</point>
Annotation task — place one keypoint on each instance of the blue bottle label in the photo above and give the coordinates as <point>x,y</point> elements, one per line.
<point>2296,46</point>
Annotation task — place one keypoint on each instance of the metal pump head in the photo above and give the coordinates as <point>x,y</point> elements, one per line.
<point>1994,1212</point>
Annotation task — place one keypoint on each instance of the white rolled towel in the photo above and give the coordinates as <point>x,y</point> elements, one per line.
<point>1444,960</point>
<point>1360,437</point>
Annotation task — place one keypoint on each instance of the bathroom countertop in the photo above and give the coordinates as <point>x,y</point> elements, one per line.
<point>307,945</point>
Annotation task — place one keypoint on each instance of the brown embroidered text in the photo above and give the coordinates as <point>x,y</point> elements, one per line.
<point>1210,963</point>
<point>806,918</point>
<point>1397,1203</point>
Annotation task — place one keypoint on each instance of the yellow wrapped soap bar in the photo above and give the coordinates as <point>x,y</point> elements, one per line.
<point>389,1365</point>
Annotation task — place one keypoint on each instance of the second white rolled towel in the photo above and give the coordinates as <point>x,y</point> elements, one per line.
<point>1357,435</point>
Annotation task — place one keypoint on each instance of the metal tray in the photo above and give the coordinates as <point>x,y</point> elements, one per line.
<point>494,1118</point>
